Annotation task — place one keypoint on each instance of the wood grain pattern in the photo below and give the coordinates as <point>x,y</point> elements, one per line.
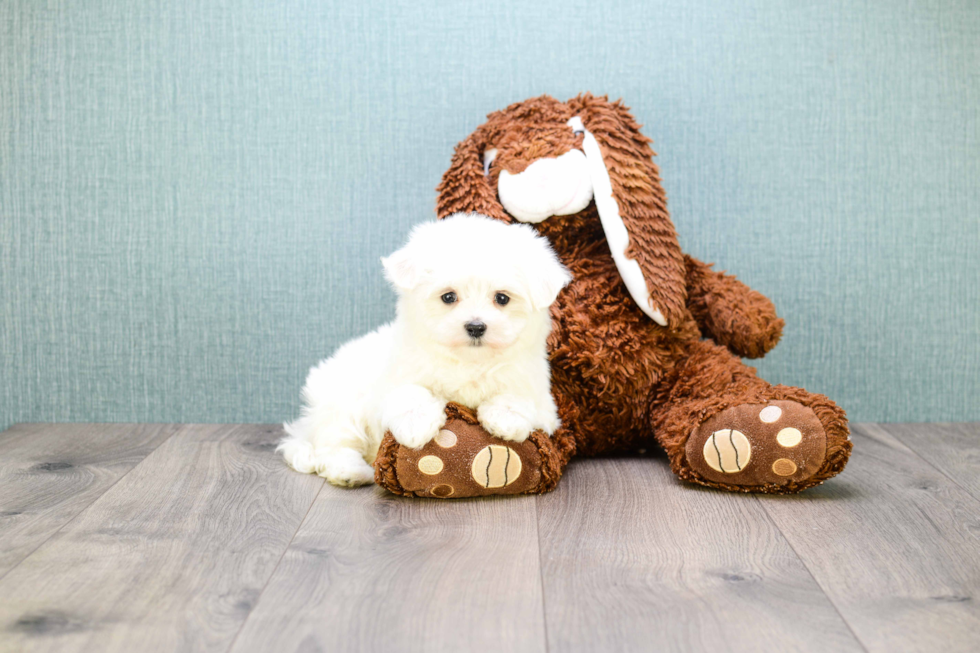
<point>208,542</point>
<point>51,472</point>
<point>953,449</point>
<point>895,544</point>
<point>369,571</point>
<point>172,557</point>
<point>632,558</point>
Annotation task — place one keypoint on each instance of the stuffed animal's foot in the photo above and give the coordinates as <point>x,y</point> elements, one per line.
<point>779,446</point>
<point>464,460</point>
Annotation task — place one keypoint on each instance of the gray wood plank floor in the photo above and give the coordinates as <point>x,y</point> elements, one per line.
<point>197,538</point>
<point>51,472</point>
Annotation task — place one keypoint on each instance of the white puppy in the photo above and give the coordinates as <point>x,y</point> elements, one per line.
<point>471,326</point>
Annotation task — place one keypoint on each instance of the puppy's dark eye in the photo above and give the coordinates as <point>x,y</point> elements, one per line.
<point>501,299</point>
<point>449,298</point>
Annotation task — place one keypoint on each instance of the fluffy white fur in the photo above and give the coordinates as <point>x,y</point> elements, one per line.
<point>401,376</point>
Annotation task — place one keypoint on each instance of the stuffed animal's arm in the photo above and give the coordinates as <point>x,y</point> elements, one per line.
<point>731,313</point>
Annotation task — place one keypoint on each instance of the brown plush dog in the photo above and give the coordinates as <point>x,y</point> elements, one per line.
<point>646,340</point>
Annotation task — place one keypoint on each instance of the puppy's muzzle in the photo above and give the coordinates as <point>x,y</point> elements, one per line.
<point>475,328</point>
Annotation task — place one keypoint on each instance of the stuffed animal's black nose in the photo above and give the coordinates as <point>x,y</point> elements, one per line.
<point>475,328</point>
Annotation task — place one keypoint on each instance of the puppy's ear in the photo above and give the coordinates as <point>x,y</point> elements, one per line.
<point>546,276</point>
<point>402,269</point>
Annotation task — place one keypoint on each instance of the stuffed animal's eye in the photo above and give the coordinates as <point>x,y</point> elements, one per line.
<point>449,298</point>
<point>488,158</point>
<point>501,299</point>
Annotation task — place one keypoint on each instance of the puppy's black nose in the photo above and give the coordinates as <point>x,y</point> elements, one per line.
<point>475,328</point>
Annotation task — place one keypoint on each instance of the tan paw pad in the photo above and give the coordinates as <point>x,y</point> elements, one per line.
<point>770,414</point>
<point>443,491</point>
<point>496,466</point>
<point>430,465</point>
<point>784,467</point>
<point>789,437</point>
<point>446,439</point>
<point>727,451</point>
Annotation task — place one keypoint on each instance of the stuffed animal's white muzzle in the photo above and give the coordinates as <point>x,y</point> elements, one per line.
<point>555,186</point>
<point>566,184</point>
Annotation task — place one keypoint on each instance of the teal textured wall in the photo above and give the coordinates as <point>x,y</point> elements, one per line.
<point>194,195</point>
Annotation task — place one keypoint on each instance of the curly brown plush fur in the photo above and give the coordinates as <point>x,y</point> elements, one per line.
<point>621,380</point>
<point>729,313</point>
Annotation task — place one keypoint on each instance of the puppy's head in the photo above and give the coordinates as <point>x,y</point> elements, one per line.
<point>476,285</point>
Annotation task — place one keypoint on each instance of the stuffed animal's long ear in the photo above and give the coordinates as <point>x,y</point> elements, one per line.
<point>632,206</point>
<point>465,187</point>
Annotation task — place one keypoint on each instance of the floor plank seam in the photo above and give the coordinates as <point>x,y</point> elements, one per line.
<point>544,600</point>
<point>813,576</point>
<point>272,574</point>
<point>884,427</point>
<point>91,503</point>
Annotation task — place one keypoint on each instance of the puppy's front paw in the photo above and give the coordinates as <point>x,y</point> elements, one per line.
<point>505,418</point>
<point>415,428</point>
<point>414,416</point>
